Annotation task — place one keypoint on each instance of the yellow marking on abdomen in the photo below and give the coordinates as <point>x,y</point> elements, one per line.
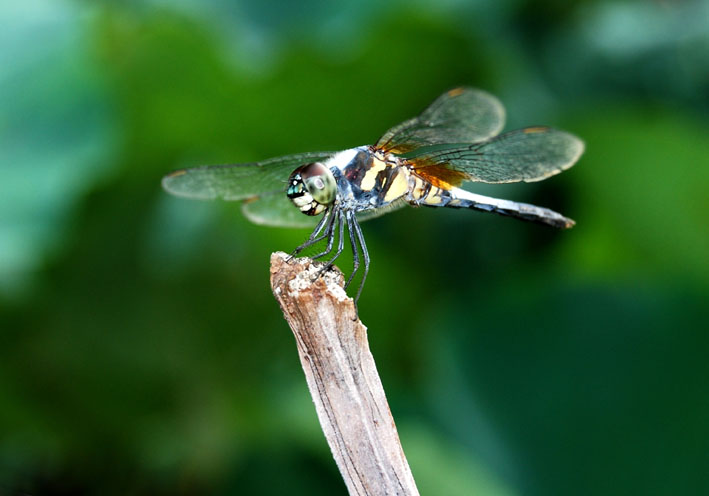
<point>425,193</point>
<point>433,197</point>
<point>370,177</point>
<point>419,189</point>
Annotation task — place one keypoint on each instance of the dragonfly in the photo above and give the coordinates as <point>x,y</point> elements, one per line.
<point>421,162</point>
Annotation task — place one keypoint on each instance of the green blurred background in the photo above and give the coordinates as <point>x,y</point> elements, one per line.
<point>141,351</point>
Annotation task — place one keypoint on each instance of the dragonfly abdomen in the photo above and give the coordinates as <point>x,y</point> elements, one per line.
<point>461,198</point>
<point>424,193</point>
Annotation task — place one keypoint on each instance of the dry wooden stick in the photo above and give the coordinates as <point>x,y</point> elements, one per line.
<point>342,377</point>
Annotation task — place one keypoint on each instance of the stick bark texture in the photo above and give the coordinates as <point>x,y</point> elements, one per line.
<point>342,377</point>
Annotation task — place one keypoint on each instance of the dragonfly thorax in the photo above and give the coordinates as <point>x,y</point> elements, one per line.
<point>312,188</point>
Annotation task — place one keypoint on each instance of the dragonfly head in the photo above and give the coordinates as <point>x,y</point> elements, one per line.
<point>312,188</point>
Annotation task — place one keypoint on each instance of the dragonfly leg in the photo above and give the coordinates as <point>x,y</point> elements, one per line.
<point>365,255</point>
<point>314,238</point>
<point>340,243</point>
<point>330,234</point>
<point>355,251</point>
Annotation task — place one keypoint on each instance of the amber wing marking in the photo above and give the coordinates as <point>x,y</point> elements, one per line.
<point>438,174</point>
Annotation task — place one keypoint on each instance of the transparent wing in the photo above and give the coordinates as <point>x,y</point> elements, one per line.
<point>275,209</point>
<point>237,181</point>
<point>529,154</point>
<point>377,212</point>
<point>462,115</point>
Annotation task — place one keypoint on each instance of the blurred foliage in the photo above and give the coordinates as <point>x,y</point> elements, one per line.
<point>141,351</point>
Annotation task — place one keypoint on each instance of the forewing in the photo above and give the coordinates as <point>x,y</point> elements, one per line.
<point>461,115</point>
<point>237,181</point>
<point>275,209</point>
<point>529,154</point>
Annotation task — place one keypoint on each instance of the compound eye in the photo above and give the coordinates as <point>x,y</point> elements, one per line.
<point>319,182</point>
